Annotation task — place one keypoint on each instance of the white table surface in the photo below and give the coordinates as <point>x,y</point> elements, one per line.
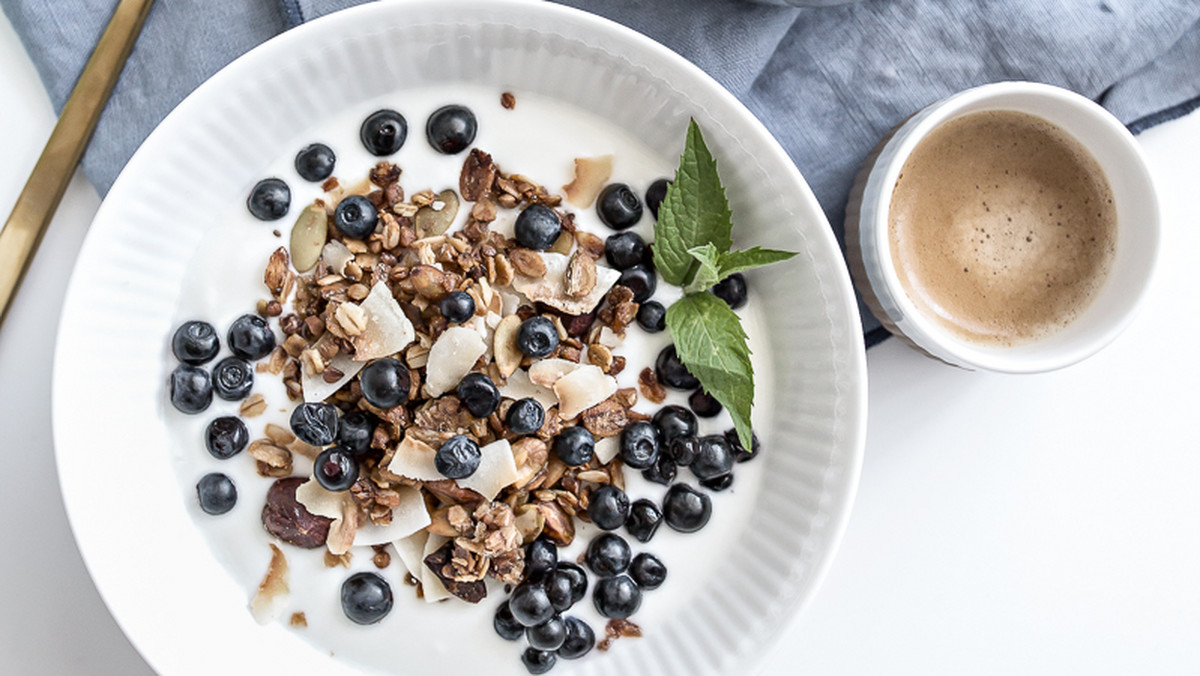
<point>1042,524</point>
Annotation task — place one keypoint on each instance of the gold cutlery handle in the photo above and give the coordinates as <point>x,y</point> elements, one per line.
<point>43,191</point>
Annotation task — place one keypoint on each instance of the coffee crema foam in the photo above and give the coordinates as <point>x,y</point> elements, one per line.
<point>1002,227</point>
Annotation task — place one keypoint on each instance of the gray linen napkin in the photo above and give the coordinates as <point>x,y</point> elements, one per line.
<point>827,82</point>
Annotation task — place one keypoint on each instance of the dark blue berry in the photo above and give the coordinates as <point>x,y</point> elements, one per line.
<point>641,280</point>
<point>479,394</point>
<point>639,445</point>
<point>355,430</point>
<point>655,195</point>
<point>624,250</point>
<point>683,450</point>
<point>608,507</point>
<point>617,597</point>
<point>714,457</point>
<point>538,661</point>
<point>195,343</point>
<point>383,132</point>
<point>648,571</point>
<point>686,509</point>
<point>315,423</point>
<point>457,307</point>
<point>226,437</point>
<point>718,483</point>
<point>366,598</point>
<point>191,389</point>
<point>577,577</point>
<point>541,558</point>
<point>232,379</point>
<point>315,162</point>
<point>740,454</point>
<point>671,371</point>
<point>644,519</point>
<point>506,625</point>
<point>336,468</point>
<point>537,337</point>
<point>451,129</point>
<point>608,554</point>
<point>529,604</point>
<point>217,493</point>
<point>579,641</point>
<point>250,337</point>
<point>575,446</point>
<point>704,404</point>
<point>458,457</point>
<point>618,206</point>
<point>565,586</point>
<point>674,421</point>
<point>355,216</point>
<point>525,416</point>
<point>732,290</point>
<point>652,316</point>
<point>662,471</point>
<point>537,227</point>
<point>385,383</point>
<point>269,200</point>
<point>548,635</point>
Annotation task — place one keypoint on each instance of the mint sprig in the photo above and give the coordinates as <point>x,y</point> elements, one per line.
<point>692,241</point>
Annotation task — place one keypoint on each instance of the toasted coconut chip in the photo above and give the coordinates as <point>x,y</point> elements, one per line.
<point>344,529</point>
<point>497,469</point>
<point>432,587</point>
<point>609,338</point>
<point>546,372</point>
<point>452,357</point>
<point>414,459</point>
<point>550,289</point>
<point>317,389</point>
<point>591,173</point>
<point>505,223</point>
<point>504,345</point>
<point>582,389</point>
<point>607,449</point>
<point>412,552</point>
<point>272,594</point>
<point>336,256</point>
<point>519,386</point>
<point>388,330</point>
<point>321,502</point>
<point>408,517</point>
<point>509,302</point>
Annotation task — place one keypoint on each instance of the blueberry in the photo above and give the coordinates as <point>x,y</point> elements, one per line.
<point>577,577</point>
<point>671,371</point>
<point>644,519</point>
<point>579,641</point>
<point>506,625</point>
<point>525,416</point>
<point>648,571</point>
<point>226,437</point>
<point>537,337</point>
<point>617,597</point>
<point>575,446</point>
<point>740,454</point>
<point>609,507</point>
<point>541,558</point>
<point>639,445</point>
<point>336,468</point>
<point>548,635</point>
<point>191,388</point>
<point>451,129</point>
<point>217,493</point>
<point>624,250</point>
<point>537,227</point>
<point>718,483</point>
<point>195,343</point>
<point>732,290</point>
<point>458,458</point>
<point>714,457</point>
<point>529,604</point>
<point>479,394</point>
<point>618,206</point>
<point>662,471</point>
<point>457,307</point>
<point>565,586</point>
<point>686,509</point>
<point>269,200</point>
<point>314,423</point>
<point>355,430</point>
<point>315,162</point>
<point>608,554</point>
<point>652,316</point>
<point>385,383</point>
<point>655,195</point>
<point>232,379</point>
<point>383,132</point>
<point>674,421</point>
<point>355,216</point>
<point>538,661</point>
<point>683,450</point>
<point>641,280</point>
<point>250,337</point>
<point>704,404</point>
<point>366,598</point>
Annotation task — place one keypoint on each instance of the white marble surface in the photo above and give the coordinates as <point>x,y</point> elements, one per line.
<point>1005,524</point>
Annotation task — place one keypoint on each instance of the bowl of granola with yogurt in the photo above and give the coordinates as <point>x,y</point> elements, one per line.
<point>476,336</point>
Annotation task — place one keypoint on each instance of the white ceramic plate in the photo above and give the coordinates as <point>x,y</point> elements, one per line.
<point>149,559</point>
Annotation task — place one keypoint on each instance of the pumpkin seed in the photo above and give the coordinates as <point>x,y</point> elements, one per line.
<point>430,221</point>
<point>308,237</point>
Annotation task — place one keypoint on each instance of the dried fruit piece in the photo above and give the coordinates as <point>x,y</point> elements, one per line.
<point>308,237</point>
<point>285,518</point>
<point>436,218</point>
<point>591,173</point>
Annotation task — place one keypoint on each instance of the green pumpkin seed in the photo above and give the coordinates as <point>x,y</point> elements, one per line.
<point>430,222</point>
<point>308,237</point>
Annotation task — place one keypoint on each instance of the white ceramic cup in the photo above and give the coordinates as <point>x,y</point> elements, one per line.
<point>1114,304</point>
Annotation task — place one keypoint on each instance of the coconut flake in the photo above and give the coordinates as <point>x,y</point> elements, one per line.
<point>607,448</point>
<point>504,345</point>
<point>408,517</point>
<point>496,470</point>
<point>551,290</point>
<point>316,389</point>
<point>546,372</point>
<point>414,459</point>
<point>519,386</point>
<point>431,585</point>
<point>317,500</point>
<point>412,550</point>
<point>273,592</point>
<point>336,256</point>
<point>452,357</point>
<point>591,173</point>
<point>582,389</point>
<point>388,330</point>
<point>609,338</point>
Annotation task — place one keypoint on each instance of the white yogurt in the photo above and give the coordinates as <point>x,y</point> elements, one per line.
<point>539,139</point>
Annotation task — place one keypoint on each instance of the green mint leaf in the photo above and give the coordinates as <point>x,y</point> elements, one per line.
<point>709,272</point>
<point>694,212</point>
<point>711,343</point>
<point>715,266</point>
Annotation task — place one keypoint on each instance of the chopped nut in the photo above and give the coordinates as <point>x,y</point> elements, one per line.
<point>580,277</point>
<point>253,406</point>
<point>606,419</point>
<point>484,210</point>
<point>600,356</point>
<point>334,560</point>
<point>617,629</point>
<point>559,527</point>
<point>266,452</point>
<point>352,319</point>
<point>649,386</point>
<point>527,262</point>
<point>279,435</point>
<point>590,244</point>
<point>278,276</point>
<point>298,620</point>
<point>478,174</point>
<point>508,101</point>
